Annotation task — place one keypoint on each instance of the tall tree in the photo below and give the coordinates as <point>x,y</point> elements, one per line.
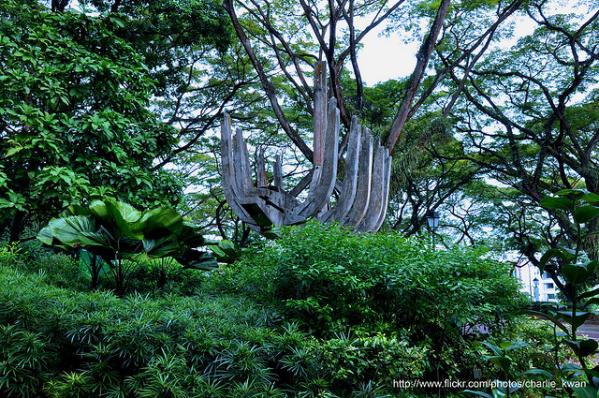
<point>290,37</point>
<point>528,117</point>
<point>74,117</point>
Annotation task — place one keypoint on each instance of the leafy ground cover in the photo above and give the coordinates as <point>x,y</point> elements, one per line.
<point>320,312</point>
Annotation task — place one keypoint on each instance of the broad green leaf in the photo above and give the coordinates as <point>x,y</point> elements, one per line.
<point>590,302</point>
<point>163,247</point>
<point>571,193</point>
<point>75,231</point>
<point>591,198</point>
<point>197,260</point>
<point>584,214</point>
<point>99,209</point>
<point>190,235</point>
<point>583,348</point>
<point>13,151</point>
<point>493,348</point>
<point>160,222</point>
<point>555,253</point>
<point>576,319</point>
<point>226,244</point>
<point>577,273</point>
<point>589,293</point>
<point>554,203</point>
<point>45,236</point>
<point>501,362</point>
<point>551,318</point>
<point>125,218</point>
<point>586,392</point>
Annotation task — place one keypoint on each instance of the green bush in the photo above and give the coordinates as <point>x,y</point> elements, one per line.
<point>329,280</point>
<point>321,312</point>
<point>146,276</point>
<point>534,338</point>
<point>64,343</point>
<point>96,341</point>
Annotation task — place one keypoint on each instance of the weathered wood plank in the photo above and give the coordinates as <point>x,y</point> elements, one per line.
<point>349,187</point>
<point>241,166</point>
<point>376,191</point>
<point>278,172</point>
<point>261,179</point>
<point>320,193</point>
<point>320,112</point>
<point>360,204</point>
<point>386,186</point>
<point>302,184</point>
<point>228,178</point>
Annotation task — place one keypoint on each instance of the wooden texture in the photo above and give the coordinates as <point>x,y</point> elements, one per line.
<point>321,190</point>
<point>362,194</point>
<point>349,186</point>
<point>360,205</point>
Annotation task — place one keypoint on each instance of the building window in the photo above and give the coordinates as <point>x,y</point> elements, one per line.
<point>546,275</point>
<point>551,296</point>
<point>549,286</point>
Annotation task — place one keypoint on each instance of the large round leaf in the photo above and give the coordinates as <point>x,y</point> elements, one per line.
<point>160,222</point>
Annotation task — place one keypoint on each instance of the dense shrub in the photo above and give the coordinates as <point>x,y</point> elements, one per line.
<point>535,349</point>
<point>64,343</point>
<point>321,312</point>
<point>145,275</point>
<point>95,342</point>
<point>329,280</point>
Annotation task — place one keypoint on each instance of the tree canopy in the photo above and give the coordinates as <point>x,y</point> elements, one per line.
<point>123,98</point>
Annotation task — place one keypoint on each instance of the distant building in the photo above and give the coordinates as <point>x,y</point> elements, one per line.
<point>540,287</point>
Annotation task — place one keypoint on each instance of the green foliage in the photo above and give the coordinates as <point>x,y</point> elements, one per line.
<point>575,276</point>
<point>326,276</point>
<point>158,277</point>
<point>236,332</point>
<point>75,96</point>
<point>578,274</point>
<point>103,344</point>
<point>25,360</point>
<point>331,280</point>
<point>113,231</point>
<point>70,343</point>
<point>225,251</point>
<point>352,360</point>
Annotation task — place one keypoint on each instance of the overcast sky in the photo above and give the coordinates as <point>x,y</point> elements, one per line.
<point>388,57</point>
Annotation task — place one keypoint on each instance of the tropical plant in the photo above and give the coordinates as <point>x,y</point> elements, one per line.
<point>575,275</point>
<point>74,99</point>
<point>225,251</point>
<point>114,231</point>
<point>330,280</point>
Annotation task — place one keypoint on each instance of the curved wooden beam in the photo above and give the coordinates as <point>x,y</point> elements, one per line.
<point>349,187</point>
<point>360,204</point>
<point>321,190</point>
<point>363,193</point>
<point>229,182</point>
<point>375,204</point>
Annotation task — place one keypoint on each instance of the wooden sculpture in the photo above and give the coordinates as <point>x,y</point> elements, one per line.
<point>361,197</point>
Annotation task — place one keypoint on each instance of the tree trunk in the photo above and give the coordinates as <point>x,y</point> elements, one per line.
<point>18,224</point>
<point>95,272</point>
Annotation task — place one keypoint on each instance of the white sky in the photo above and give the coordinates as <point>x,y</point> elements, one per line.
<point>388,57</point>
